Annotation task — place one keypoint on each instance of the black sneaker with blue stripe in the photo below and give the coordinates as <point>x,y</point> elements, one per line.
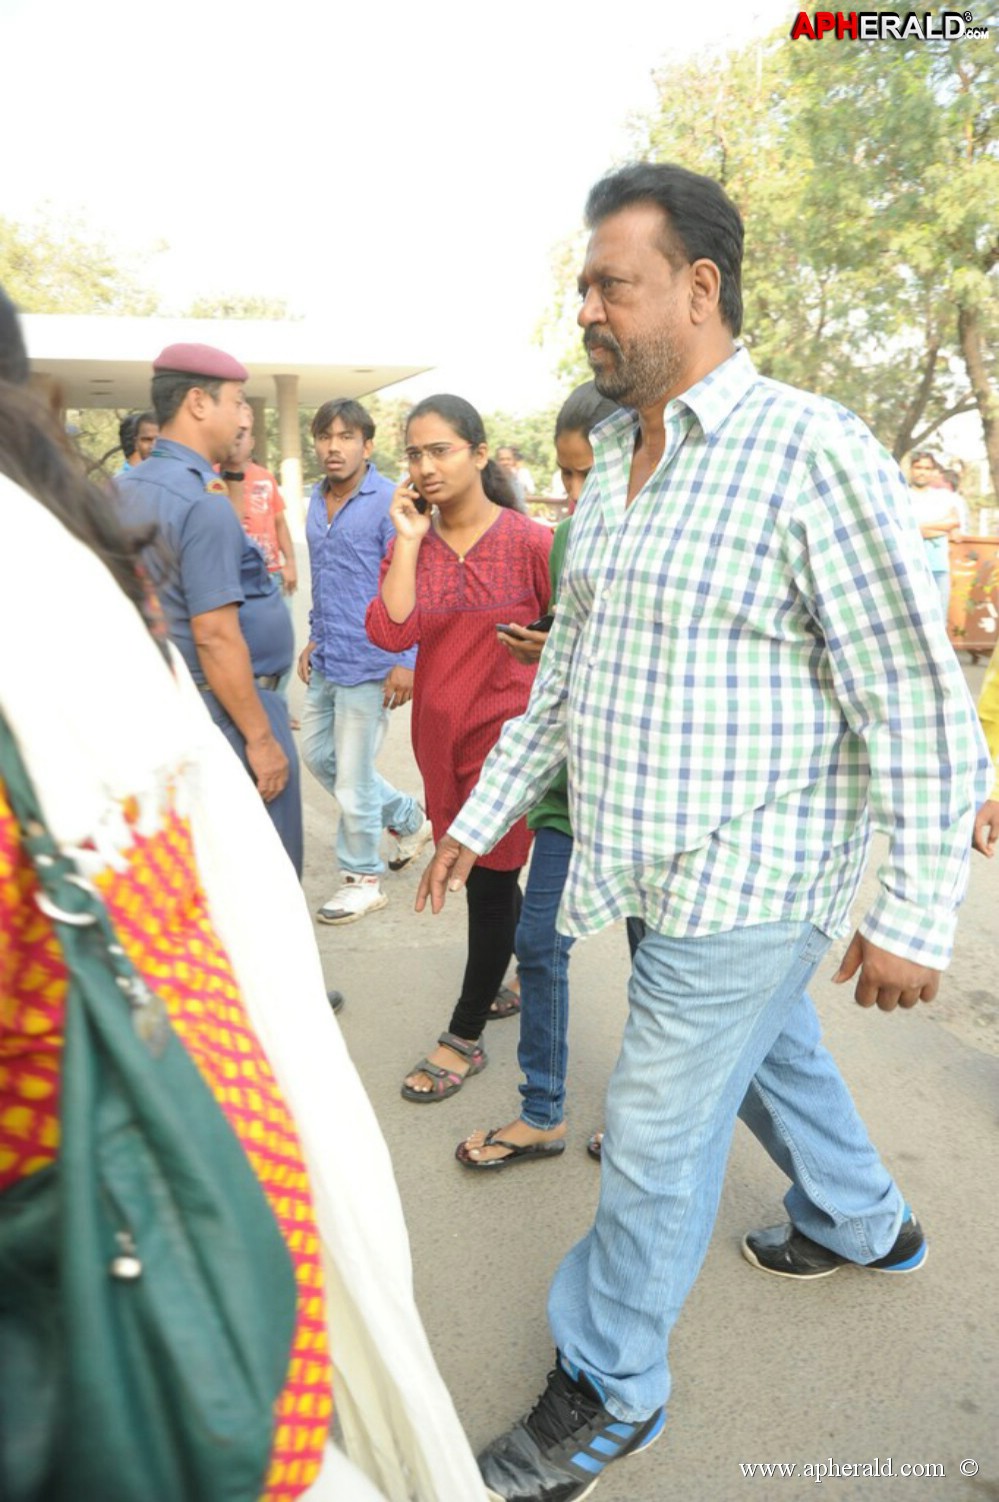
<point>789,1253</point>
<point>561,1449</point>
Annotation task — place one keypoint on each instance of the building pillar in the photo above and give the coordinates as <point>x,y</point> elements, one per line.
<point>260,445</point>
<point>290,445</point>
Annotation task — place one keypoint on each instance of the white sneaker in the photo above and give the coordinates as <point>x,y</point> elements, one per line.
<point>409,845</point>
<point>358,896</point>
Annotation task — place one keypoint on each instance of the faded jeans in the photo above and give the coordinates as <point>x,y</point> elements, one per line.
<point>342,731</point>
<point>718,1026</point>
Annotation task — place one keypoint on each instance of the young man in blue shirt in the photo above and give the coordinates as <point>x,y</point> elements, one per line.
<point>351,683</point>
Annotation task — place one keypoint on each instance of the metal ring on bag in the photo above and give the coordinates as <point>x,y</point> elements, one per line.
<point>76,920</point>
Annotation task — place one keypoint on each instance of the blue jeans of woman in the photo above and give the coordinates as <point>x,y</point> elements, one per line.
<point>716,1023</point>
<point>543,963</point>
<point>543,967</point>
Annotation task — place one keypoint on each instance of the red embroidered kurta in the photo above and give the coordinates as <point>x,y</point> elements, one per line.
<point>160,914</point>
<point>466,683</point>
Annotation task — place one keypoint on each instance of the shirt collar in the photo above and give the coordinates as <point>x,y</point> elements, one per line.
<point>711,400</point>
<point>169,448</point>
<point>367,485</point>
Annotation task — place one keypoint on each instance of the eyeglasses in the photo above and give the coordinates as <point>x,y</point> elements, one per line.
<point>436,451</point>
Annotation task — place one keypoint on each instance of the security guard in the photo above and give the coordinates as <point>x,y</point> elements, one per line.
<point>224,612</point>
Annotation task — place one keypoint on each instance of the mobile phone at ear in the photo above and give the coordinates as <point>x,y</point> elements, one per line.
<point>421,505</point>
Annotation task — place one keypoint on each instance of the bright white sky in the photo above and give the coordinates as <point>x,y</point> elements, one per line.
<point>400,174</point>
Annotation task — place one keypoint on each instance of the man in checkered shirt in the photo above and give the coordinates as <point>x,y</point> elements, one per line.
<point>747,673</point>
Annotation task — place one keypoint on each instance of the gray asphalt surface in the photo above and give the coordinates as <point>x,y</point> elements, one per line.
<point>852,1369</point>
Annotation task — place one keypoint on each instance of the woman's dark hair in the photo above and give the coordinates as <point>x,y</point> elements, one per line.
<point>33,455</point>
<point>13,354</point>
<point>700,218</point>
<point>466,422</point>
<point>582,410</point>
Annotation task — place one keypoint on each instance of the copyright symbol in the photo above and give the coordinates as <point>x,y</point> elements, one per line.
<point>968,1467</point>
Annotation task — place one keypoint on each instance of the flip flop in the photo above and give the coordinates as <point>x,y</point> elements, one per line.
<point>506,1004</point>
<point>595,1145</point>
<point>518,1153</point>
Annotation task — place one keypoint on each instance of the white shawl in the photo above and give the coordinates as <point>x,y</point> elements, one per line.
<point>100,718</point>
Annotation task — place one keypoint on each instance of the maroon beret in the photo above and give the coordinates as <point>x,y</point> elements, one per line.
<point>201,360</point>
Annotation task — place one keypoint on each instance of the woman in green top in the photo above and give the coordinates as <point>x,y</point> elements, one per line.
<point>542,952</point>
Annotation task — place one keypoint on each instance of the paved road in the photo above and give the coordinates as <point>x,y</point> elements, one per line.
<point>851,1369</point>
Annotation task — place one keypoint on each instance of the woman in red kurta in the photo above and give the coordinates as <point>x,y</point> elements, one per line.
<point>451,578</point>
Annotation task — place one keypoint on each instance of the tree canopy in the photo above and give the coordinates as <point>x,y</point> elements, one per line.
<point>868,177</point>
<point>59,266</point>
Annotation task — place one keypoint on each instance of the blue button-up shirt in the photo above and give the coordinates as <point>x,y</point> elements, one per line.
<point>202,558</point>
<point>345,556</point>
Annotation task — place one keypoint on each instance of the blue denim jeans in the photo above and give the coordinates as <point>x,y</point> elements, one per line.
<point>543,967</point>
<point>286,809</point>
<point>543,964</point>
<point>715,1023</point>
<point>342,732</point>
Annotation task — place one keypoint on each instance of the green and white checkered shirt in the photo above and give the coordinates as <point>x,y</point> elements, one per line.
<point>748,671</point>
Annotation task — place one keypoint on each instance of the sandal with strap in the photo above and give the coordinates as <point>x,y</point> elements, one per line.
<point>519,1152</point>
<point>506,1004</point>
<point>446,1081</point>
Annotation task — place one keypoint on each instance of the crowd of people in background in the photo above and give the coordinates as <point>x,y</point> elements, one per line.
<point>571,712</point>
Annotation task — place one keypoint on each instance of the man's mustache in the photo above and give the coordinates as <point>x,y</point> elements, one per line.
<point>593,339</point>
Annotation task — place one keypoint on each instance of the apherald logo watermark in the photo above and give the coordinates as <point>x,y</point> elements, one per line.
<point>887,25</point>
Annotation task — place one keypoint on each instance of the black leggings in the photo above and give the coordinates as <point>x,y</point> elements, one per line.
<point>494,900</point>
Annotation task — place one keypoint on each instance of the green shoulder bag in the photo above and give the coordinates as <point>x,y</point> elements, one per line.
<point>147,1298</point>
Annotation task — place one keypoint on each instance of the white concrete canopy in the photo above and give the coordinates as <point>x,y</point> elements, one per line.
<point>86,361</point>
<point>107,362</point>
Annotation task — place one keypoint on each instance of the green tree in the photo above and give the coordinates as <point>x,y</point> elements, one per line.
<point>55,265</point>
<point>916,143</point>
<point>389,415</point>
<point>50,265</point>
<point>533,434</point>
<point>868,179</point>
<point>239,305</point>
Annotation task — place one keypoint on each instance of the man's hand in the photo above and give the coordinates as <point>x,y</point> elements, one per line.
<point>986,834</point>
<point>268,764</point>
<point>885,979</point>
<point>447,872</point>
<point>397,688</point>
<point>305,662</point>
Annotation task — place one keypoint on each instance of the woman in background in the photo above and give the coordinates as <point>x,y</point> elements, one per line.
<point>542,952</point>
<point>464,566</point>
